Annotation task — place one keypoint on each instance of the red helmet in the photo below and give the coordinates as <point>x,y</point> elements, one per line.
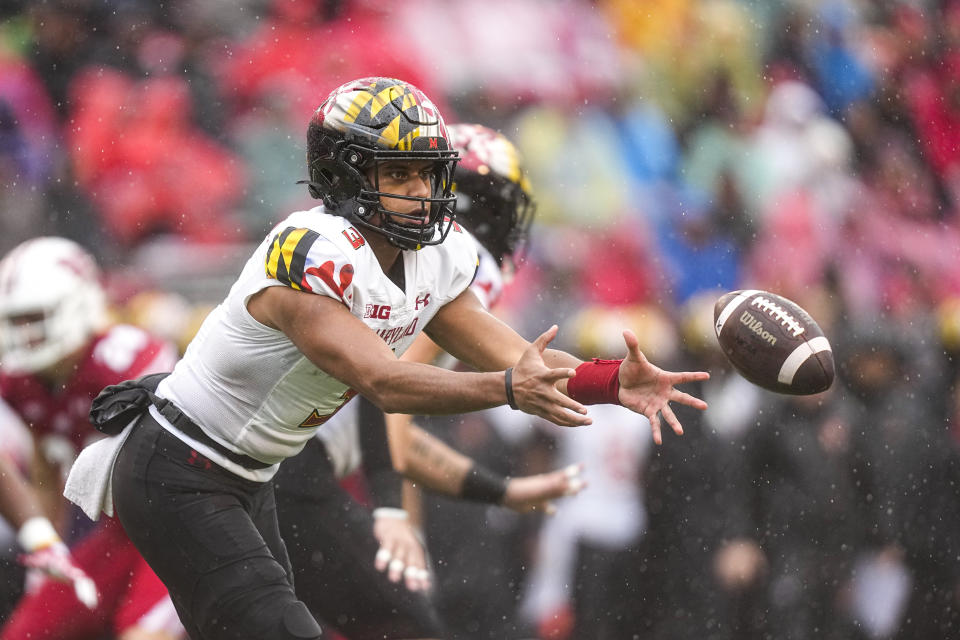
<point>493,194</point>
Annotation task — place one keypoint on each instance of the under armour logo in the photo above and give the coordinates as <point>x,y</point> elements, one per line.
<point>197,460</point>
<point>425,300</point>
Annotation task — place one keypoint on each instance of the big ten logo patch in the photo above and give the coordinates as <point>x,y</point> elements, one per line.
<point>378,311</point>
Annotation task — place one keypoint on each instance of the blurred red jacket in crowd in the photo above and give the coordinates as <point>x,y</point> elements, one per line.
<point>143,163</point>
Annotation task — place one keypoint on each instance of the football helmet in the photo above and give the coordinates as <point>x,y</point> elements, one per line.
<point>493,194</point>
<point>51,303</point>
<point>370,121</point>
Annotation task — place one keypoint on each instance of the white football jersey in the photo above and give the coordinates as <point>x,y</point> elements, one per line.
<point>340,435</point>
<point>249,386</point>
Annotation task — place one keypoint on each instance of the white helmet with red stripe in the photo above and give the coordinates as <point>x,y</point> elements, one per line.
<point>51,303</point>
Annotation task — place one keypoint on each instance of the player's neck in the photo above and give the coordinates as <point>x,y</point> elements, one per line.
<point>387,254</point>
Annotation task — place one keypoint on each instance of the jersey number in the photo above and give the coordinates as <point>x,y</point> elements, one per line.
<point>315,419</point>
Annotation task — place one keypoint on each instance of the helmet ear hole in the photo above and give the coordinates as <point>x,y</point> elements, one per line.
<point>333,183</point>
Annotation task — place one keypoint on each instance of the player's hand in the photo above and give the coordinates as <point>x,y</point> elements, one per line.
<point>56,562</point>
<point>401,553</point>
<point>648,389</point>
<point>534,493</point>
<point>535,386</point>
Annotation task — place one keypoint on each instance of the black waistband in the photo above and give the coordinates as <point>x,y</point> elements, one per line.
<point>190,429</point>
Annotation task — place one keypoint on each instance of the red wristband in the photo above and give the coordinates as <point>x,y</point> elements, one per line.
<point>596,382</point>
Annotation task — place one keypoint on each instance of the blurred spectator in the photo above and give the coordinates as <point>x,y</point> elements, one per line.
<point>717,161</point>
<point>800,238</point>
<point>623,273</point>
<point>265,141</point>
<point>698,254</point>
<point>574,161</point>
<point>693,582</point>
<point>786,144</point>
<point>907,464</point>
<point>841,76</point>
<point>805,515</point>
<point>582,580</point>
<point>145,166</point>
<point>295,51</point>
<point>28,135</point>
<point>512,54</point>
<point>932,92</point>
<point>906,256</point>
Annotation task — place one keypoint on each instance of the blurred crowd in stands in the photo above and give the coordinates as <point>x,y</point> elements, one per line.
<point>678,149</point>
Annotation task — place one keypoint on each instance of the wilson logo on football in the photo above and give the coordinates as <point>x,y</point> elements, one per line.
<point>747,319</point>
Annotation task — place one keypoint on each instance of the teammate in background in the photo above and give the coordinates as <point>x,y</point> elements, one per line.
<point>318,315</point>
<point>344,557</point>
<point>56,353</point>
<point>339,563</point>
<point>494,203</point>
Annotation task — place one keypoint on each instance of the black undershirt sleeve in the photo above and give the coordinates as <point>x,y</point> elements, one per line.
<point>384,483</point>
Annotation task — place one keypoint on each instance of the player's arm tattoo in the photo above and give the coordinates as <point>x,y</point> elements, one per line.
<point>431,462</point>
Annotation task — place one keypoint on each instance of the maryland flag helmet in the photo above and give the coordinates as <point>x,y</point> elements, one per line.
<point>370,121</point>
<point>51,303</point>
<point>493,194</point>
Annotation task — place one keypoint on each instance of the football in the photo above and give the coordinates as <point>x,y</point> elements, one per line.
<point>773,343</point>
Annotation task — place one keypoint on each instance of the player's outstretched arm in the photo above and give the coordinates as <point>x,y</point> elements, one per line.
<point>334,340</point>
<point>469,332</point>
<point>536,493</point>
<point>466,330</point>
<point>45,551</point>
<point>648,389</point>
<point>434,465</point>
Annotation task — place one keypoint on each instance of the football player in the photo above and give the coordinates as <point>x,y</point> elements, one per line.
<point>319,314</point>
<point>347,568</point>
<point>56,353</point>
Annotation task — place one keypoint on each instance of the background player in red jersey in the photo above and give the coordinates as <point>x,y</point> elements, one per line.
<point>57,352</point>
